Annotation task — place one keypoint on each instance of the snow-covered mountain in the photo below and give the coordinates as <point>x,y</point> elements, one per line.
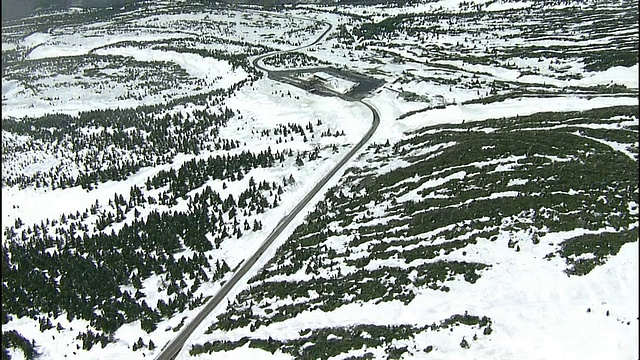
<point>493,214</point>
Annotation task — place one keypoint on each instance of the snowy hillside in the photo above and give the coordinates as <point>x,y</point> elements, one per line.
<point>492,215</point>
<point>479,226</point>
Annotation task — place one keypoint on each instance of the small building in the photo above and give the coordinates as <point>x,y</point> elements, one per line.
<point>322,76</point>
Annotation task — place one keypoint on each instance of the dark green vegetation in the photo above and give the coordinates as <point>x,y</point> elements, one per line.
<point>163,237</point>
<point>477,55</point>
<point>292,60</point>
<point>401,225</point>
<point>120,21</point>
<point>112,68</point>
<point>99,72</point>
<point>13,339</point>
<point>386,232</point>
<point>112,144</point>
<point>598,247</point>
<point>600,23</point>
<point>328,342</point>
<point>543,32</point>
<point>49,269</point>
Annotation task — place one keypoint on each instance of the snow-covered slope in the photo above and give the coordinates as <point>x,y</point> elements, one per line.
<point>509,219</point>
<point>493,215</point>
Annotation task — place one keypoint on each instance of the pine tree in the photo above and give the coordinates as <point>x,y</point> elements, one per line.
<point>257,225</point>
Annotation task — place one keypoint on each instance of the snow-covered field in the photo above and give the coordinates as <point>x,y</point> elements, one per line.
<point>149,131</point>
<point>529,299</point>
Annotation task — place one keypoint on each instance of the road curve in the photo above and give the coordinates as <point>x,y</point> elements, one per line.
<point>174,347</point>
<point>255,61</point>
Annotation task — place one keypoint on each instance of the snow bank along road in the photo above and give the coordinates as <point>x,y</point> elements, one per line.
<point>174,347</point>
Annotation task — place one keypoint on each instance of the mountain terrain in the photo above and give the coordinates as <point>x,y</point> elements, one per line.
<point>149,149</point>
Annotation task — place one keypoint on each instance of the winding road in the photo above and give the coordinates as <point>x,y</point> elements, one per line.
<point>174,347</point>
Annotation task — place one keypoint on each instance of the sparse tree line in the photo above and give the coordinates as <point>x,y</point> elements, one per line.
<point>325,343</point>
<point>125,140</point>
<point>194,173</point>
<point>13,339</point>
<point>114,256</point>
<point>484,26</point>
<point>160,75</point>
<point>111,144</point>
<point>49,268</point>
<point>308,253</point>
<point>56,262</point>
<point>591,169</point>
<point>293,59</point>
<point>182,45</point>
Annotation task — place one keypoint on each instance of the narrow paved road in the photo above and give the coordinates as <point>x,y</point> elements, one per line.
<point>174,347</point>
